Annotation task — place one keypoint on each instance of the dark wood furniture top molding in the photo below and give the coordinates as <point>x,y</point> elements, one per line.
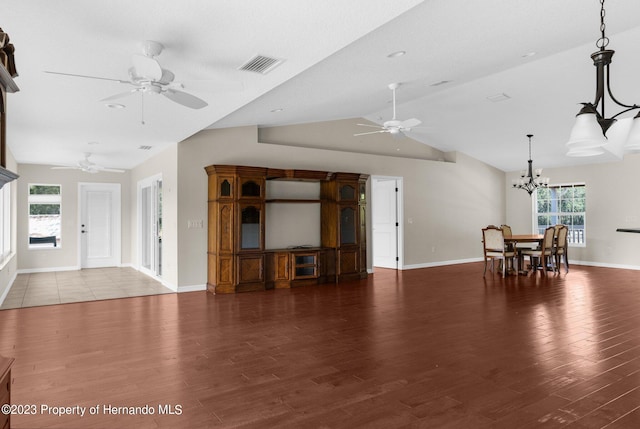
<point>6,176</point>
<point>7,84</point>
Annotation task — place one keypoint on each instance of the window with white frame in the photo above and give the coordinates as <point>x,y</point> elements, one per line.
<point>45,215</point>
<point>562,204</point>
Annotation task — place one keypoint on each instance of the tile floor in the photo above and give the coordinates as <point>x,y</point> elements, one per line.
<point>61,287</point>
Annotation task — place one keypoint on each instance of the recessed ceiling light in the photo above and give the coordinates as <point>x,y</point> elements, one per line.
<point>396,54</point>
<point>277,110</point>
<point>528,54</point>
<point>115,105</point>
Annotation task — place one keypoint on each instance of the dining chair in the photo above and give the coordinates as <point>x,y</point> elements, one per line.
<point>543,255</point>
<point>494,248</point>
<point>507,233</point>
<point>560,247</point>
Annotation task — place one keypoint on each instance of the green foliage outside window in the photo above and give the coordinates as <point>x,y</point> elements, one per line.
<point>44,190</point>
<point>564,204</point>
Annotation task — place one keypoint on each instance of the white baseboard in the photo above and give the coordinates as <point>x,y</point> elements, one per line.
<point>8,288</point>
<point>464,261</point>
<point>47,270</point>
<point>441,263</point>
<point>192,288</point>
<point>604,265</point>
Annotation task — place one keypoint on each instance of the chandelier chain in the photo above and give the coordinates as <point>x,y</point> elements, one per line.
<point>603,41</point>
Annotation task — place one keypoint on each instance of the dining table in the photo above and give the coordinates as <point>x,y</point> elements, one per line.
<point>531,239</point>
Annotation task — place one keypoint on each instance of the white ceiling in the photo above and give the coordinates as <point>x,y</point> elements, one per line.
<point>335,67</point>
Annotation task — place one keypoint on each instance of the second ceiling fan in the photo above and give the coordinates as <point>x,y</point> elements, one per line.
<point>393,126</point>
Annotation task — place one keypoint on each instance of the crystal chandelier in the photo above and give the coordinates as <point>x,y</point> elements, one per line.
<point>588,135</point>
<point>531,179</point>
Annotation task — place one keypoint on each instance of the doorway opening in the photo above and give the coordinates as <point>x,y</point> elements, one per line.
<point>386,215</point>
<point>150,226</point>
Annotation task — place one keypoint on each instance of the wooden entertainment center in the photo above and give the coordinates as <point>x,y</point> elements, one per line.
<point>237,260</point>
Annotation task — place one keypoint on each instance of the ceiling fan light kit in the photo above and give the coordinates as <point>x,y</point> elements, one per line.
<point>588,135</point>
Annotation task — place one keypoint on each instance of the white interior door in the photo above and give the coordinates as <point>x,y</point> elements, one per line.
<point>99,225</point>
<point>150,225</point>
<point>386,227</point>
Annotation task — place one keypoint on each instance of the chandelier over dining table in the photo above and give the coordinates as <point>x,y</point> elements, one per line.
<point>531,179</point>
<point>588,135</point>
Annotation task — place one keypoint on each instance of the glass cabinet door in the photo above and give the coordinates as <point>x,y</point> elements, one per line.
<point>347,193</point>
<point>250,228</point>
<point>348,225</point>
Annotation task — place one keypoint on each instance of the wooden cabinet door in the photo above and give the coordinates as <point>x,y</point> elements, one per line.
<point>348,258</point>
<point>250,272</point>
<point>281,266</point>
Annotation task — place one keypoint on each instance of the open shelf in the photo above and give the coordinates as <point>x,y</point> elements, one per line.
<point>292,200</point>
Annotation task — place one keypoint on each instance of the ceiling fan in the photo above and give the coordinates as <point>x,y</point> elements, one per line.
<point>88,166</point>
<point>148,77</point>
<point>393,126</point>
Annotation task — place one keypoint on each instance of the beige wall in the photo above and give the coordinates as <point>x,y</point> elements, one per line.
<point>10,267</point>
<point>166,164</point>
<point>448,203</point>
<point>612,202</point>
<point>67,255</point>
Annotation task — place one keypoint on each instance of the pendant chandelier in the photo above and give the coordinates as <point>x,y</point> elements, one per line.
<point>588,135</point>
<point>531,179</point>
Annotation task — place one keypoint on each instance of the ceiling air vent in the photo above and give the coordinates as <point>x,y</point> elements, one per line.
<point>145,147</point>
<point>260,64</point>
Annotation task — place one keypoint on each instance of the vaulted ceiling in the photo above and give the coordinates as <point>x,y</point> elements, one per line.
<point>336,65</point>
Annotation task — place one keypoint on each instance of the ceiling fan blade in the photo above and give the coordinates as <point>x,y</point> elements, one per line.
<point>98,168</point>
<point>372,126</point>
<point>185,99</point>
<point>87,77</point>
<point>121,95</point>
<point>147,67</point>
<point>65,168</point>
<point>413,122</point>
<point>372,132</point>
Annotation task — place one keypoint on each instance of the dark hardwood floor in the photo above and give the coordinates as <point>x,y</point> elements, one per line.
<point>433,348</point>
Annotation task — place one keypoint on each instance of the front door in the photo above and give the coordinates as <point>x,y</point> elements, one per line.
<point>99,225</point>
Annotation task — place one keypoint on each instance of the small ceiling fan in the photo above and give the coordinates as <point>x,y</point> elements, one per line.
<point>88,166</point>
<point>147,76</point>
<point>393,126</point>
